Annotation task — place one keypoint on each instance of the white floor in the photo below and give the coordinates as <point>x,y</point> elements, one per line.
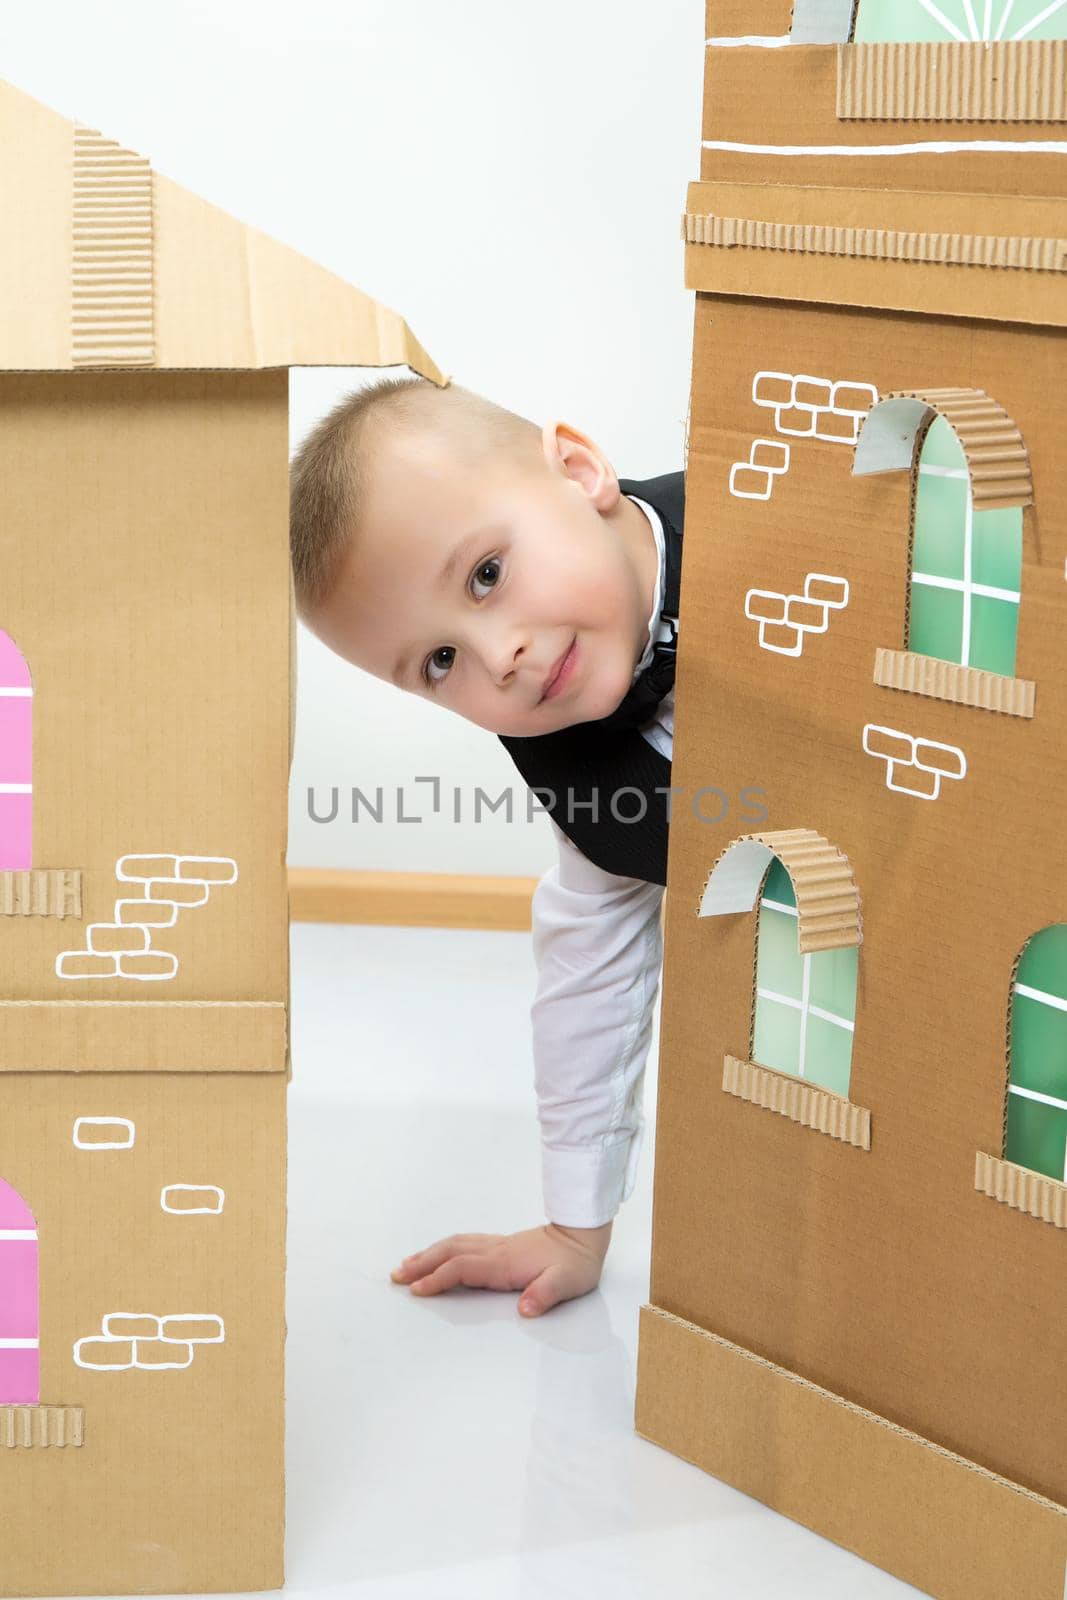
<point>447,1449</point>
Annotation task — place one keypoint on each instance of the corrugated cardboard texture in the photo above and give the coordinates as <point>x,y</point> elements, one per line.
<point>947,680</point>
<point>178,1484</point>
<point>917,221</point>
<point>39,892</point>
<point>1021,81</point>
<point>881,244</point>
<point>828,907</point>
<point>792,1230</point>
<point>1017,1186</point>
<point>156,635</point>
<point>806,1103</point>
<point>997,462</point>
<point>950,1529</point>
<point>41,1427</point>
<point>111,274</point>
<point>225,294</point>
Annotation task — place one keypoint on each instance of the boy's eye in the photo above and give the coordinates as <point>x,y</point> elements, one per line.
<point>449,650</point>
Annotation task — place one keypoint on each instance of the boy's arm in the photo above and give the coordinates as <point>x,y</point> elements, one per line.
<point>598,945</point>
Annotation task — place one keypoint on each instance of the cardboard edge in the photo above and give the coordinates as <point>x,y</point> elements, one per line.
<point>844,1471</point>
<point>809,1104</point>
<point>1033,1192</point>
<point>913,673</point>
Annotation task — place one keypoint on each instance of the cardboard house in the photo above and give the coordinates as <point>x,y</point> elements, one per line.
<point>145,738</point>
<point>858,1306</point>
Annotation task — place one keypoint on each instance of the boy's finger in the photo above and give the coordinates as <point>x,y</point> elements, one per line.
<point>424,1261</point>
<point>546,1291</point>
<point>473,1271</point>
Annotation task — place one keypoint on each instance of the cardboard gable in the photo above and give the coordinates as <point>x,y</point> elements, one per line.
<point>146,667</point>
<point>858,1285</point>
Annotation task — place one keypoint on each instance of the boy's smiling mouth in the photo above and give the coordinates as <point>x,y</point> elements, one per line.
<point>561,672</point>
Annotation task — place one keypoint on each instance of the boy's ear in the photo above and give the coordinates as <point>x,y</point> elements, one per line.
<point>576,456</point>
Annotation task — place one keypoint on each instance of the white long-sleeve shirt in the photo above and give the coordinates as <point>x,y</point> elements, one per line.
<point>598,946</point>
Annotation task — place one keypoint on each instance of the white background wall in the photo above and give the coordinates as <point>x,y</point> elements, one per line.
<point>510,177</point>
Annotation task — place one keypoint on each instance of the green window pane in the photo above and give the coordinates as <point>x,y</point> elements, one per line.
<point>778,885</point>
<point>994,626</point>
<point>997,548</point>
<point>779,964</point>
<point>776,1038</point>
<point>1036,1136</point>
<point>941,447</point>
<point>827,1055</point>
<point>948,19</point>
<point>1044,961</point>
<point>832,981</point>
<point>935,626</point>
<point>940,525</point>
<point>1039,1046</point>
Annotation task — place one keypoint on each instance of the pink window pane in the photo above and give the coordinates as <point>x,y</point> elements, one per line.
<point>20,1357</point>
<point>16,793</point>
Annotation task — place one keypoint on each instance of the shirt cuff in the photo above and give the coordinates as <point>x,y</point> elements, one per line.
<point>585,1185</point>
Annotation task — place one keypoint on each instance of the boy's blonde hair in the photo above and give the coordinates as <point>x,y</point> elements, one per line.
<point>328,474</point>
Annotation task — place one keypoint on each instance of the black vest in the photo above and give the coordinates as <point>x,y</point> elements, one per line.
<point>602,782</point>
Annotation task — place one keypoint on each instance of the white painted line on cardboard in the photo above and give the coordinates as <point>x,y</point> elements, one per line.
<point>192,1188</point>
<point>923,147</point>
<point>276,1004</point>
<point>762,41</point>
<point>104,1122</point>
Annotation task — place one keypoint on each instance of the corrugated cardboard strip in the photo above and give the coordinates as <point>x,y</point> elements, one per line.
<point>29,1426</point>
<point>112,266</point>
<point>1019,80</point>
<point>41,892</point>
<point>803,1102</point>
<point>828,905</point>
<point>947,680</point>
<point>1019,1187</point>
<point>997,458</point>
<point>877,244</point>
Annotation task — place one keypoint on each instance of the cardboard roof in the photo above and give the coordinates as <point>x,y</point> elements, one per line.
<point>107,263</point>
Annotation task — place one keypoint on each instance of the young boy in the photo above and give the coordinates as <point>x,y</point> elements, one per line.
<point>450,547</point>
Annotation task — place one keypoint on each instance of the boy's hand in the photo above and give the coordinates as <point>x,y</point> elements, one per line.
<point>550,1264</point>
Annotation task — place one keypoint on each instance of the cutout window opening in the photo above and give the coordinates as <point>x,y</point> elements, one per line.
<point>20,1355</point>
<point>804,1010</point>
<point>966,21</point>
<point>16,786</point>
<point>1035,1134</point>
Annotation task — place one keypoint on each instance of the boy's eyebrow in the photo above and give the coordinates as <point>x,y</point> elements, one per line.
<point>444,577</point>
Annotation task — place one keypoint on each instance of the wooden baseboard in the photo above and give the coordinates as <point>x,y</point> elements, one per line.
<point>411,899</point>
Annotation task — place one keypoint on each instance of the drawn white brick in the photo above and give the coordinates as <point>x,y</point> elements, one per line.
<point>178,892</point>
<point>750,483</point>
<point>888,744</point>
<point>855,398</point>
<point>155,964</point>
<point>829,591</point>
<point>192,1199</point>
<point>155,1354</point>
<point>151,913</point>
<point>116,937</point>
<point>806,614</point>
<point>834,428</point>
<point>781,637</point>
<point>130,1325</point>
<point>812,393</point>
<point>796,421</point>
<point>906,778</point>
<point>104,1133</point>
<point>763,605</point>
<point>944,758</point>
<point>208,869</point>
<point>104,1355</point>
<point>138,869</point>
<point>773,389</point>
<point>187,1327</point>
<point>83,964</point>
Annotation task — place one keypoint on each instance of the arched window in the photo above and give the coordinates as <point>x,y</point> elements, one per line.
<point>909,21</point>
<point>1036,1132</point>
<point>966,564</point>
<point>805,1004</point>
<point>20,1364</point>
<point>16,789</point>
